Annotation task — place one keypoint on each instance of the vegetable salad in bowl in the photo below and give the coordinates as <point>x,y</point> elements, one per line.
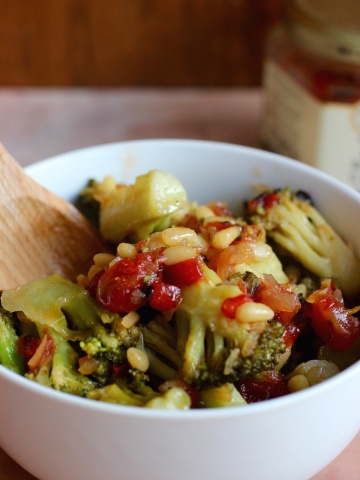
<point>192,306</point>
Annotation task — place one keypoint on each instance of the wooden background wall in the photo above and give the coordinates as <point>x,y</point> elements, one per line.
<point>134,42</point>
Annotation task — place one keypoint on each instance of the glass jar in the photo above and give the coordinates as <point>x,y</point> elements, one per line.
<point>312,87</point>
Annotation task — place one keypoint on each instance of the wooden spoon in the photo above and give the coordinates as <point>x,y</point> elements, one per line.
<point>41,234</point>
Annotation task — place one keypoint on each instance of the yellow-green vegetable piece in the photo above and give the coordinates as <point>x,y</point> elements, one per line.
<point>137,210</point>
<point>45,301</point>
<point>120,395</point>
<point>269,264</point>
<point>64,373</point>
<point>9,356</point>
<point>225,396</point>
<point>200,309</point>
<point>203,302</point>
<point>173,399</point>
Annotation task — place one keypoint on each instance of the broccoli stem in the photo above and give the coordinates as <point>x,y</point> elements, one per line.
<point>299,228</point>
<point>195,349</point>
<point>159,368</point>
<point>9,356</point>
<point>64,374</point>
<point>160,345</point>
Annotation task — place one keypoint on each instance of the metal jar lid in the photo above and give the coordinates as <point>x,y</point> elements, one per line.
<point>330,28</point>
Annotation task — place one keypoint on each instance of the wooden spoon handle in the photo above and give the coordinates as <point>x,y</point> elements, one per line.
<point>41,234</point>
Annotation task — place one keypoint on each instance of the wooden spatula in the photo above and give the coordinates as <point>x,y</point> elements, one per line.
<point>41,234</point>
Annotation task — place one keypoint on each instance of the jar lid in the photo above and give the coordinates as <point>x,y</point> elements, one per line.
<point>328,27</point>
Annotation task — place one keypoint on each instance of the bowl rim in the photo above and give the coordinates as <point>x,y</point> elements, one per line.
<point>194,143</point>
<point>254,409</point>
<point>254,152</point>
<point>248,410</point>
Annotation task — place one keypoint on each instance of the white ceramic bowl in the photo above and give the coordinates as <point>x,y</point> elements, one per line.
<point>56,436</point>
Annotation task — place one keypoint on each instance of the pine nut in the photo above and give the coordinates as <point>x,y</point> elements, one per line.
<point>203,244</point>
<point>115,260</point>
<point>155,242</point>
<point>82,280</point>
<point>106,318</point>
<point>130,319</point>
<point>103,259</point>
<point>218,218</point>
<point>88,365</point>
<point>137,359</point>
<point>178,254</point>
<point>108,184</point>
<point>93,270</point>
<point>126,250</point>
<point>202,212</point>
<point>179,236</point>
<point>224,238</point>
<point>254,312</point>
<point>298,382</point>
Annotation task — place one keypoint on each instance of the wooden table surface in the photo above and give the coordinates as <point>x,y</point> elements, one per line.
<point>38,123</point>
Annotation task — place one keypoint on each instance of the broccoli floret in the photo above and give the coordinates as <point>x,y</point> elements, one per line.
<point>109,350</point>
<point>173,399</point>
<point>133,211</point>
<point>132,387</point>
<point>54,364</point>
<point>92,347</point>
<point>293,223</point>
<point>64,374</point>
<point>206,349</point>
<point>79,328</point>
<point>226,395</point>
<point>57,303</point>
<point>121,395</point>
<point>69,309</point>
<point>9,356</point>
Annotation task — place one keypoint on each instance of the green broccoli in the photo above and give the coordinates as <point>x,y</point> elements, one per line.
<point>55,364</point>
<point>109,350</point>
<point>57,303</point>
<point>293,223</point>
<point>78,326</point>
<point>173,399</point>
<point>226,395</point>
<point>132,387</point>
<point>121,395</point>
<point>9,356</point>
<point>133,211</point>
<point>198,345</point>
<point>64,374</point>
<point>206,349</point>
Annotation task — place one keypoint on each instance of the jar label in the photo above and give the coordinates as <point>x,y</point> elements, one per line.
<point>325,135</point>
